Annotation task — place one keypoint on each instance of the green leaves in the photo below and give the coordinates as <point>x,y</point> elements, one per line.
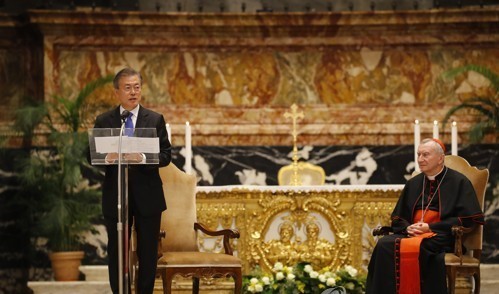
<point>65,203</point>
<point>490,75</point>
<point>29,117</point>
<point>486,108</point>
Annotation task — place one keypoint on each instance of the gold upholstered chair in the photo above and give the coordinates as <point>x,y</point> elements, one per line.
<point>309,174</point>
<point>178,251</point>
<point>457,263</point>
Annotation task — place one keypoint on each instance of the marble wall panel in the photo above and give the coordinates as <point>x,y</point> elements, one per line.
<point>343,92</point>
<point>343,165</point>
<point>270,78</point>
<point>363,77</point>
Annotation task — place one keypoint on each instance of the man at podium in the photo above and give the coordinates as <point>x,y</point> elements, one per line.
<point>146,201</point>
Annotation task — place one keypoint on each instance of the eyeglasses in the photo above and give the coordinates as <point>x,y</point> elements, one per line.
<point>136,88</point>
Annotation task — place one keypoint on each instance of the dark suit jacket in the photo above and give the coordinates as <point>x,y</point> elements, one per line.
<point>145,188</point>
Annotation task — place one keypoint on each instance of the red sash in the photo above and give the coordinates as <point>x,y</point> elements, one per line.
<point>409,279</point>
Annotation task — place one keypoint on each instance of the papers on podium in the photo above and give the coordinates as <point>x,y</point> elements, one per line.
<point>128,145</point>
<point>106,140</point>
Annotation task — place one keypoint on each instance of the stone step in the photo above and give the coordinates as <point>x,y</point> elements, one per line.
<point>97,283</point>
<point>490,287</point>
<point>489,278</point>
<point>95,272</point>
<point>489,272</point>
<point>79,287</point>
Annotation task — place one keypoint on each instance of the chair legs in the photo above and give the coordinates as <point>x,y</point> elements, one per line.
<point>238,282</point>
<point>195,285</point>
<point>451,279</point>
<point>167,283</point>
<point>476,276</point>
<point>452,274</point>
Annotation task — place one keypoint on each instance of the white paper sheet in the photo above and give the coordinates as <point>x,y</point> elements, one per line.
<point>128,145</point>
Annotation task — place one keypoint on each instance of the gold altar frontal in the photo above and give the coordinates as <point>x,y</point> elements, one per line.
<point>325,225</point>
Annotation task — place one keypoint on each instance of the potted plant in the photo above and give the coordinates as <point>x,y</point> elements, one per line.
<point>66,203</point>
<point>487,108</point>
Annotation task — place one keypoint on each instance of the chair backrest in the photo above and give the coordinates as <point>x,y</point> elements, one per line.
<point>310,174</point>
<point>179,218</point>
<point>478,179</point>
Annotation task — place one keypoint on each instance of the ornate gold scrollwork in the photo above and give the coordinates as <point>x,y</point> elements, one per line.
<point>313,217</point>
<point>217,216</point>
<point>344,218</point>
<point>209,276</point>
<point>367,216</point>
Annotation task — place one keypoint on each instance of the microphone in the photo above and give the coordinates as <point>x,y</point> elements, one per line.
<point>124,115</point>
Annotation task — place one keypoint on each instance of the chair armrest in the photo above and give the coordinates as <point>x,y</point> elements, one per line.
<point>226,233</point>
<point>458,232</point>
<point>382,230</point>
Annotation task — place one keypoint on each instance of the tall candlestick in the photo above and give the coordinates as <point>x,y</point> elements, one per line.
<point>454,138</point>
<point>417,139</point>
<point>435,129</point>
<point>188,149</point>
<point>169,131</point>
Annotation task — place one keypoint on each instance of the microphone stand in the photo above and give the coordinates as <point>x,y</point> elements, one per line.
<point>122,236</point>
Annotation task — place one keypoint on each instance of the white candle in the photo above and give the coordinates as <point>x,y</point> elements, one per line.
<point>169,131</point>
<point>454,138</point>
<point>417,139</point>
<point>435,129</point>
<point>188,149</point>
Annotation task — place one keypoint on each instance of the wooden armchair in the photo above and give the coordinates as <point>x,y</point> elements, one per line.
<point>310,174</point>
<point>458,263</point>
<point>178,250</point>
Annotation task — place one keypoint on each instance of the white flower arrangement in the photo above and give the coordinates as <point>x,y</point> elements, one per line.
<point>303,278</point>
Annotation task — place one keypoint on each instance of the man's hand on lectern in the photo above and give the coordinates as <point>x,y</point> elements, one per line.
<point>133,157</point>
<point>111,157</point>
<point>127,157</point>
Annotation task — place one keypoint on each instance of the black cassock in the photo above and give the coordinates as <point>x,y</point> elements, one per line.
<point>457,204</point>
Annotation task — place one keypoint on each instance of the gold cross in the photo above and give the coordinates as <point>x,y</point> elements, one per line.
<point>295,115</point>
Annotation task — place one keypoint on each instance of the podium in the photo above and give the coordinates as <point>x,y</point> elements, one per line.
<point>110,146</point>
<point>106,141</point>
